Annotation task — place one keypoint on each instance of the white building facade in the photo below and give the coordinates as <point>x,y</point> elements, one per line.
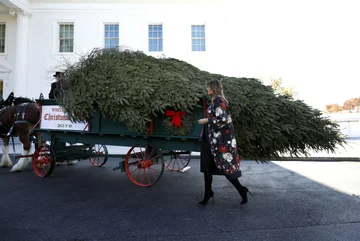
<point>38,36</point>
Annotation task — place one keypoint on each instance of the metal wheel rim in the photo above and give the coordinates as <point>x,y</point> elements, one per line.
<point>43,161</point>
<point>139,169</point>
<point>177,161</point>
<point>99,161</point>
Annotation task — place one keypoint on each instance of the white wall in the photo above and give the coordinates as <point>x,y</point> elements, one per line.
<point>7,59</point>
<point>349,123</point>
<point>133,21</point>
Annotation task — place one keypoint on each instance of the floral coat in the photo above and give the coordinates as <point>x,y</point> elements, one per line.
<point>221,137</point>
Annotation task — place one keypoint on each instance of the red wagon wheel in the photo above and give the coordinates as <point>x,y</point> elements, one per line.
<point>178,160</point>
<point>144,165</point>
<point>99,161</point>
<point>43,161</point>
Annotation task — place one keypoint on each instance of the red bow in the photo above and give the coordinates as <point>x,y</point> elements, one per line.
<point>176,120</point>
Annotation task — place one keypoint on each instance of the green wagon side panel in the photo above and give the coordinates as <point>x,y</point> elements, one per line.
<point>106,131</point>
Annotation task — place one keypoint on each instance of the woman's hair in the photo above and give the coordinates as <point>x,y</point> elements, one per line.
<point>216,86</point>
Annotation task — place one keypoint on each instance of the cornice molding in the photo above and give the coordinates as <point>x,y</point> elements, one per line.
<point>128,1</point>
<point>15,5</point>
<point>24,13</point>
<point>21,4</point>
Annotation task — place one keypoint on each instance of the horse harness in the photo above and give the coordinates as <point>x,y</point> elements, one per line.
<point>19,118</point>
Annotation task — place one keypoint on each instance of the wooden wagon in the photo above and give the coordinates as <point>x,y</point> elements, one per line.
<point>144,162</point>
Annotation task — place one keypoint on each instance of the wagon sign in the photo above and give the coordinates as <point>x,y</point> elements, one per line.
<point>54,117</point>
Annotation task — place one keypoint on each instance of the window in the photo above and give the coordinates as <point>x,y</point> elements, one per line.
<point>155,38</point>
<point>2,37</point>
<point>66,38</point>
<point>198,37</point>
<point>111,35</point>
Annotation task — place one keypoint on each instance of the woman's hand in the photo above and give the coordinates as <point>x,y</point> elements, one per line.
<point>203,121</point>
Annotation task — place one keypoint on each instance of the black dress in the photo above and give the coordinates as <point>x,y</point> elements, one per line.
<point>206,158</point>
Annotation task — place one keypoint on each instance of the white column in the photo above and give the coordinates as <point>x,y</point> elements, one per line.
<point>20,79</point>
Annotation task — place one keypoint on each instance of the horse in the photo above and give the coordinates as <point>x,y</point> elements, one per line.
<point>18,116</point>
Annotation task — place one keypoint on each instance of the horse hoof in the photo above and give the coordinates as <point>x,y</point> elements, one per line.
<point>15,170</point>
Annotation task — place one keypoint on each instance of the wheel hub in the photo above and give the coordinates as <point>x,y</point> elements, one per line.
<point>144,164</point>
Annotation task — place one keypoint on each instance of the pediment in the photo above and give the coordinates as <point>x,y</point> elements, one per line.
<point>4,69</point>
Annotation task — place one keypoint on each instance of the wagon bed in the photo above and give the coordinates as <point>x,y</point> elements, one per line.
<point>144,162</point>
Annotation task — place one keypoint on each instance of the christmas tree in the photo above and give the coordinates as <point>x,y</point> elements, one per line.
<point>129,86</point>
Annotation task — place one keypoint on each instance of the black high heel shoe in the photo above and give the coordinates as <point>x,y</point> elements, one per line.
<point>243,195</point>
<point>207,198</point>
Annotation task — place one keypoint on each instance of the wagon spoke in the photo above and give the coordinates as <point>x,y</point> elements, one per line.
<point>139,170</point>
<point>153,175</point>
<point>43,161</point>
<point>182,161</point>
<point>174,163</point>
<point>151,168</point>
<point>144,174</point>
<point>136,169</point>
<point>151,152</point>
<point>101,149</point>
<point>136,155</point>
<point>142,177</point>
<point>44,167</point>
<point>178,160</point>
<point>145,152</point>
<point>177,163</point>
<point>155,157</point>
<point>99,155</point>
<point>133,163</point>
<point>147,176</point>
<point>142,153</point>
<point>44,171</point>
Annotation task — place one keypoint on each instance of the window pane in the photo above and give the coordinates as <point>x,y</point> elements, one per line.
<point>66,31</point>
<point>107,43</point>
<point>114,43</point>
<point>111,36</point>
<point>71,34</point>
<point>2,31</point>
<point>2,37</point>
<point>155,37</point>
<point>66,45</point>
<point>160,45</point>
<point>61,31</point>
<point>202,34</point>
<point>198,38</point>
<point>152,45</point>
<point>71,45</point>
<point>66,38</point>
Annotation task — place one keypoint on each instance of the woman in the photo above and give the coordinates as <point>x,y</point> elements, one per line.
<point>218,148</point>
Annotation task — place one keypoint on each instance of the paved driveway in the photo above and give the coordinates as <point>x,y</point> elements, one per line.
<point>292,201</point>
